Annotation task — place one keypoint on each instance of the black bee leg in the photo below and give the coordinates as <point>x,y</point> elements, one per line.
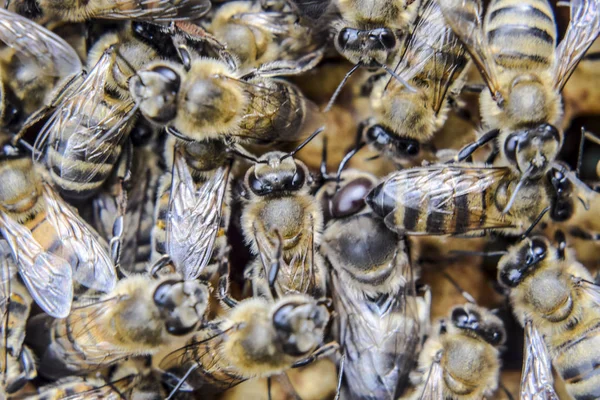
<point>275,265</point>
<point>182,381</point>
<point>323,351</point>
<point>290,67</point>
<point>224,270</point>
<point>583,234</point>
<point>269,388</point>
<point>159,265</point>
<point>469,149</point>
<point>506,392</point>
<point>338,389</point>
<point>535,222</point>
<point>124,177</point>
<point>473,88</point>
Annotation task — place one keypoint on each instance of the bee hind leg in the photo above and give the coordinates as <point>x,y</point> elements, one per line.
<point>469,149</point>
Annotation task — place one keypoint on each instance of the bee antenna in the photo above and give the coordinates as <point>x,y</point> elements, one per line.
<point>182,381</point>
<point>323,166</point>
<point>340,86</point>
<point>345,161</point>
<point>534,223</point>
<point>497,253</point>
<point>242,153</point>
<point>463,292</point>
<point>301,145</point>
<point>397,77</point>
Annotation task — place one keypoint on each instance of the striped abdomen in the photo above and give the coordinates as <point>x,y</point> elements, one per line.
<point>576,360</point>
<point>521,34</point>
<point>79,161</point>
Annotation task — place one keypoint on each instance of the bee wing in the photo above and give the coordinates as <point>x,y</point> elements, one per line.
<point>464,17</point>
<point>434,387</point>
<point>581,33</point>
<point>118,389</point>
<point>7,270</point>
<point>194,217</point>
<point>36,43</point>
<point>47,276</point>
<point>80,110</point>
<point>436,189</point>
<point>93,266</point>
<point>536,379</point>
<point>156,10</point>
<point>203,353</point>
<point>431,41</point>
<point>313,9</point>
<point>272,21</point>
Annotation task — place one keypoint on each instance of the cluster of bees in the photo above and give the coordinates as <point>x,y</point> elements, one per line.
<point>200,196</point>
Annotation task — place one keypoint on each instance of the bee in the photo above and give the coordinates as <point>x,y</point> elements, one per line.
<point>380,318</point>
<point>49,242</point>
<point>157,11</point>
<point>192,210</point>
<point>369,32</point>
<point>406,118</point>
<point>461,360</point>
<point>33,63</point>
<point>282,223</point>
<point>256,338</point>
<point>456,199</point>
<point>17,365</point>
<point>263,32</point>
<point>553,297</point>
<point>207,99</point>
<point>138,317</point>
<point>515,51</point>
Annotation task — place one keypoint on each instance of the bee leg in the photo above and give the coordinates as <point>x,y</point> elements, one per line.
<point>323,351</point>
<point>469,149</point>
<point>275,265</point>
<point>288,67</point>
<point>173,131</point>
<point>269,388</point>
<point>124,176</point>
<point>338,389</point>
<point>535,222</point>
<point>473,88</point>
<point>159,264</point>
<point>27,373</point>
<point>506,391</point>
<point>224,270</point>
<point>583,234</point>
<point>182,381</point>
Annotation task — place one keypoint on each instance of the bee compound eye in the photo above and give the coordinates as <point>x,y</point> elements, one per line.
<point>387,39</point>
<point>169,76</point>
<point>346,36</point>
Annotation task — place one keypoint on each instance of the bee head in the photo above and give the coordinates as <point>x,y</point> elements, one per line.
<point>155,91</point>
<point>522,260</point>
<point>385,141</point>
<point>532,150</point>
<point>475,320</point>
<point>275,173</point>
<point>181,304</point>
<point>370,48</point>
<point>300,324</point>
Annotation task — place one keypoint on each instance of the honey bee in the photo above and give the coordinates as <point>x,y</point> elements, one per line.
<point>432,61</point>
<point>380,318</point>
<point>33,63</point>
<point>282,32</point>
<point>553,297</point>
<point>17,365</point>
<point>457,199</point>
<point>369,32</point>
<point>256,338</point>
<point>192,207</point>
<point>461,360</point>
<point>282,223</point>
<point>138,317</point>
<point>516,54</point>
<point>50,243</point>
<point>156,11</point>
<point>207,99</point>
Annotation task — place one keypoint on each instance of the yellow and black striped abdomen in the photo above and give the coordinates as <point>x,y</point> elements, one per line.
<point>521,34</point>
<point>576,359</point>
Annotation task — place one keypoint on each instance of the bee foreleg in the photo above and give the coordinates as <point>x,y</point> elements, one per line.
<point>584,234</point>
<point>224,269</point>
<point>469,149</point>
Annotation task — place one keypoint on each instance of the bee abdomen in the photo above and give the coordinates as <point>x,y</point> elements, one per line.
<point>521,35</point>
<point>579,368</point>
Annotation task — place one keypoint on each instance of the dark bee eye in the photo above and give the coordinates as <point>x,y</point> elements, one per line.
<point>460,316</point>
<point>493,336</point>
<point>257,186</point>
<point>347,35</point>
<point>409,147</point>
<point>162,297</point>
<point>298,179</point>
<point>169,75</point>
<point>377,134</point>
<point>510,147</point>
<point>387,39</point>
<point>538,250</point>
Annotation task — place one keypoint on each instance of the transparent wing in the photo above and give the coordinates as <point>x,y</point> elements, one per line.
<point>194,217</point>
<point>464,17</point>
<point>47,276</point>
<point>588,288</point>
<point>432,43</point>
<point>380,336</point>
<point>35,43</point>
<point>92,265</point>
<point>156,10</point>
<point>7,270</point>
<point>86,126</point>
<point>536,378</point>
<point>434,385</point>
<point>435,189</point>
<point>201,355</point>
<point>581,33</point>
<point>277,23</point>
<point>115,390</point>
